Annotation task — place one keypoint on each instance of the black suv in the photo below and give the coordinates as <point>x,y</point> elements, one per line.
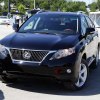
<point>59,45</point>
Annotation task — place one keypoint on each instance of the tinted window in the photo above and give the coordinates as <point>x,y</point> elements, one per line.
<point>90,23</point>
<point>51,22</point>
<point>84,25</point>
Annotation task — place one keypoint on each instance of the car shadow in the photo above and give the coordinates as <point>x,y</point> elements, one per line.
<point>1,95</point>
<point>47,86</point>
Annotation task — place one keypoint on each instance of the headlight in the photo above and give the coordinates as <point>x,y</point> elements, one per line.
<point>63,53</point>
<point>3,50</point>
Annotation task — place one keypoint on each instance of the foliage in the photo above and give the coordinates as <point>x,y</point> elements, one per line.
<point>21,8</point>
<point>75,6</point>
<point>54,5</point>
<point>98,4</point>
<point>93,6</point>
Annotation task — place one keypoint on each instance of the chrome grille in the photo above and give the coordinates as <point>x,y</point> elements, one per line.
<point>36,56</point>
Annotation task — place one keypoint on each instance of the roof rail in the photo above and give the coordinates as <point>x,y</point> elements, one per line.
<point>41,11</point>
<point>81,12</point>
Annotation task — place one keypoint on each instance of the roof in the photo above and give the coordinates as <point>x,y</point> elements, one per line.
<point>67,13</point>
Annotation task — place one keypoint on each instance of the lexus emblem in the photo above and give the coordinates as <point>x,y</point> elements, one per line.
<point>26,55</point>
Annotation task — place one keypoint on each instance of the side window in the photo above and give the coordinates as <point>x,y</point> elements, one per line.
<point>84,25</point>
<point>90,23</point>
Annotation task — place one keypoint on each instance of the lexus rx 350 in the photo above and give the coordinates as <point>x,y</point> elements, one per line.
<point>59,45</point>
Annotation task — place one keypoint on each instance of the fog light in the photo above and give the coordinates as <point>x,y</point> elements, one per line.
<point>68,71</point>
<point>58,71</point>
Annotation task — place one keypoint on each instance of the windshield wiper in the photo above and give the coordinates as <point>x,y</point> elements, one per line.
<point>24,32</point>
<point>43,32</point>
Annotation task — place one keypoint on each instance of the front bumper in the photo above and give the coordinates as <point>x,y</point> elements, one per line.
<point>48,68</point>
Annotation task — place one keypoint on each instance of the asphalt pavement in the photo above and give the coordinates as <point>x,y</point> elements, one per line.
<point>46,89</point>
<point>5,30</point>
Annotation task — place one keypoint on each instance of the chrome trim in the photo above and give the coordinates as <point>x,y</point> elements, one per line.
<point>23,61</point>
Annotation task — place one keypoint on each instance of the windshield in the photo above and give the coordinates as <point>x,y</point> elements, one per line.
<point>50,23</point>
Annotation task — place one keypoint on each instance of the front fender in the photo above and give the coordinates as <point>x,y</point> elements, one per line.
<point>80,51</point>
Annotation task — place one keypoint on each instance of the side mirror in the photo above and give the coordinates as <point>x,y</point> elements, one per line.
<point>90,30</point>
<point>16,27</point>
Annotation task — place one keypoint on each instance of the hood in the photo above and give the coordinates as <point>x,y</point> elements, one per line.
<point>39,41</point>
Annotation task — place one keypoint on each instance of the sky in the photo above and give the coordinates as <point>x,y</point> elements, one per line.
<point>87,1</point>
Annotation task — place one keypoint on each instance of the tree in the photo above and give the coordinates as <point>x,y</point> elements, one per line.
<point>75,6</point>
<point>44,5</point>
<point>98,4</point>
<point>53,5</point>
<point>21,8</point>
<point>93,6</point>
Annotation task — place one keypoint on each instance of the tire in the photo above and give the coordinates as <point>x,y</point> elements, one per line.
<point>95,63</point>
<point>6,79</point>
<point>82,77</point>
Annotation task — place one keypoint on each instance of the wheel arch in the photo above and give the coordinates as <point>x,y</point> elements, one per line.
<point>84,56</point>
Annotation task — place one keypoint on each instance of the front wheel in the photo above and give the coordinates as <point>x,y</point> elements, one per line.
<point>82,77</point>
<point>83,74</point>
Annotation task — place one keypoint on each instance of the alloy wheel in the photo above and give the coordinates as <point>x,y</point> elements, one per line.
<point>82,75</point>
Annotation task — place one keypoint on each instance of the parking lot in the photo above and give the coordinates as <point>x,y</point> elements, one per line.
<point>5,30</point>
<point>44,89</point>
